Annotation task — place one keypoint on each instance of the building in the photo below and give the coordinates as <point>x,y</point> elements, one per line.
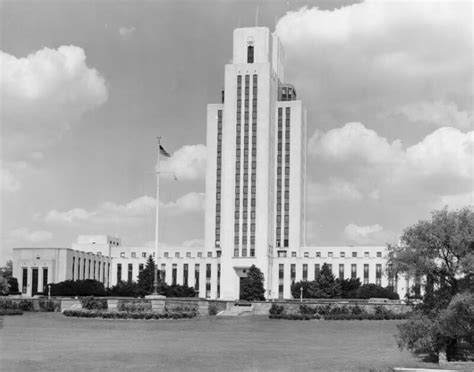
<point>255,197</point>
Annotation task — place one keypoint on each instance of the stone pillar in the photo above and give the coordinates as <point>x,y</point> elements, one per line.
<point>112,305</point>
<point>158,305</point>
<point>203,308</point>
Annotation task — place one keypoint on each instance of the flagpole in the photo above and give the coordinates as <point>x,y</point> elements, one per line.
<point>155,281</point>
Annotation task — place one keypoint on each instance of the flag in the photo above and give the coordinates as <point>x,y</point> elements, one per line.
<point>164,152</point>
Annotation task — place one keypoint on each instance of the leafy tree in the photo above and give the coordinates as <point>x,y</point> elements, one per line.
<point>13,283</point>
<point>126,289</point>
<point>442,252</point>
<point>88,287</point>
<point>251,287</point>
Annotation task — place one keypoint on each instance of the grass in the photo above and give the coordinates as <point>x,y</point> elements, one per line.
<point>51,341</point>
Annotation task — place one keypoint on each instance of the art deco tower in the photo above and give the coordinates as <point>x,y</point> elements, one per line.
<point>255,181</point>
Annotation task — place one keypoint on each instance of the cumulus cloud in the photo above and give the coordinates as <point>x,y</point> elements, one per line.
<point>368,165</point>
<point>370,234</point>
<point>133,212</point>
<point>377,56</point>
<point>188,163</point>
<point>436,113</point>
<point>125,31</point>
<point>25,235</point>
<point>44,94</point>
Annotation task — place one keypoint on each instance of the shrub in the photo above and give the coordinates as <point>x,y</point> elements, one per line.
<point>86,287</point>
<point>127,315</point>
<point>276,309</point>
<point>11,312</point>
<point>49,305</point>
<point>26,305</point>
<point>134,306</point>
<point>295,316</point>
<point>356,310</point>
<point>212,309</point>
<point>8,304</point>
<point>91,303</point>
<point>375,291</point>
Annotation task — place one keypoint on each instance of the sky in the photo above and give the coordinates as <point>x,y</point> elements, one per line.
<point>85,88</point>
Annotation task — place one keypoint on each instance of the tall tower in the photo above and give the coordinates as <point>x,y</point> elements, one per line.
<point>256,141</point>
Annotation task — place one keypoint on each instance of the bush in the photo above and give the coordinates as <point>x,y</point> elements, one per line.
<point>357,310</point>
<point>374,291</point>
<point>126,289</point>
<point>295,316</point>
<point>26,305</point>
<point>6,304</point>
<point>49,305</point>
<point>11,312</point>
<point>86,287</point>
<point>276,309</point>
<point>134,306</point>
<point>91,303</point>
<point>127,315</point>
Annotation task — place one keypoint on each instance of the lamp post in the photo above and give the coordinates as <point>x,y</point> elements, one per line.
<point>301,293</point>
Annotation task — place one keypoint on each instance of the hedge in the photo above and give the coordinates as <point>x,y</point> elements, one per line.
<point>11,312</point>
<point>128,315</point>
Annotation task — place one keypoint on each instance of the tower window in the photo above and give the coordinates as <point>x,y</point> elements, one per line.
<point>250,54</point>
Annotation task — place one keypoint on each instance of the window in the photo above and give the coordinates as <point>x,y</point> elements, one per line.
<point>140,268</point>
<point>318,254</point>
<point>366,254</point>
<point>166,255</point>
<point>293,272</point>
<point>130,272</point>
<point>236,252</point>
<point>281,253</point>
<point>208,280</point>
<point>306,254</point>
<point>45,279</point>
<point>366,273</point>
<point>73,266</point>
<point>379,254</point>
<point>24,282</point>
<point>199,254</point>
<point>317,268</point>
<point>174,274</point>
<point>188,254</point>
<point>209,254</point>
<point>281,275</point>
<point>305,271</point>
<point>354,254</point>
<point>122,254</point>
<point>119,272</point>
<point>329,254</point>
<point>143,254</point>
<point>176,254</point>
<point>134,255</point>
<point>341,271</point>
<point>185,274</point>
<point>293,254</point>
<point>353,271</point>
<point>343,254</point>
<point>163,272</point>
<point>196,277</point>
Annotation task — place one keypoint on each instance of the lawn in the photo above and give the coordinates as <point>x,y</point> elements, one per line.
<point>50,341</point>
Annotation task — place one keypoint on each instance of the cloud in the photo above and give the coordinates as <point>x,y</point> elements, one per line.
<point>363,163</point>
<point>371,234</point>
<point>436,113</point>
<point>133,212</point>
<point>27,236</point>
<point>8,181</point>
<point>376,56</point>
<point>44,94</point>
<point>125,31</point>
<point>188,163</point>
<point>333,190</point>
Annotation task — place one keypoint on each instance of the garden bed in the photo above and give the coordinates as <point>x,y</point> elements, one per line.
<point>129,314</point>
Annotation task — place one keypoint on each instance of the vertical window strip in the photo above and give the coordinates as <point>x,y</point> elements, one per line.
<point>287,174</point>
<point>246,165</point>
<point>218,177</point>
<point>254,171</point>
<point>279,178</point>
<point>237,165</point>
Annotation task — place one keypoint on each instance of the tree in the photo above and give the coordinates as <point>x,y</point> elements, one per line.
<point>324,286</point>
<point>349,287</point>
<point>442,252</point>
<point>251,287</point>
<point>147,277</point>
<point>375,291</point>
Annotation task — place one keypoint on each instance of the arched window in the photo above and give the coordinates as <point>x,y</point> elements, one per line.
<point>250,54</point>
